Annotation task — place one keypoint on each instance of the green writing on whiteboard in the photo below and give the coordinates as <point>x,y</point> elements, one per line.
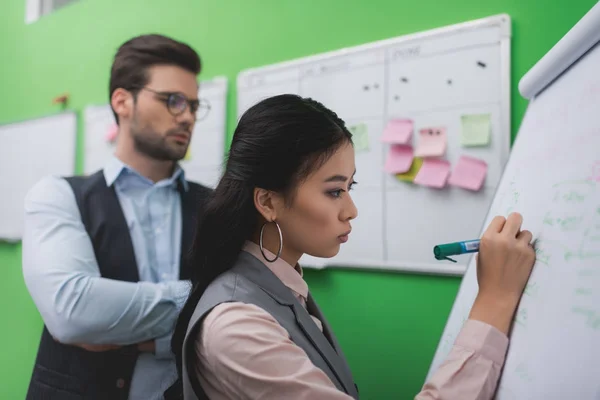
<point>592,316</point>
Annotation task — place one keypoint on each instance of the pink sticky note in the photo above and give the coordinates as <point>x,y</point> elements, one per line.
<point>432,142</point>
<point>399,159</point>
<point>398,131</point>
<point>469,173</point>
<point>111,133</point>
<point>434,173</point>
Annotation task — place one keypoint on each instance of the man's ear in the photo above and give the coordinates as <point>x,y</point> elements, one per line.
<point>267,203</point>
<point>122,102</point>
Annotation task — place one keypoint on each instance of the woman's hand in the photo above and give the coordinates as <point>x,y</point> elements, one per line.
<point>505,260</point>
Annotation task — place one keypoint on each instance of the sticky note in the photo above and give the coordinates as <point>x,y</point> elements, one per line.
<point>432,142</point>
<point>398,131</point>
<point>469,173</point>
<point>409,176</point>
<point>111,133</point>
<point>399,159</point>
<point>188,154</point>
<point>476,130</point>
<point>434,173</point>
<point>360,137</point>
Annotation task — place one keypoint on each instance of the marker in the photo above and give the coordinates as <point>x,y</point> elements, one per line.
<point>442,251</point>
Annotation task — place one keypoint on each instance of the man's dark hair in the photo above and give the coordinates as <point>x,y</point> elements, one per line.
<point>133,59</point>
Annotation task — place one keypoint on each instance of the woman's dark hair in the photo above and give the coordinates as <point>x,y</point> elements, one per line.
<point>276,145</point>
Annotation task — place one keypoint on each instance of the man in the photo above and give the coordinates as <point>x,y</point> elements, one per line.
<point>104,255</point>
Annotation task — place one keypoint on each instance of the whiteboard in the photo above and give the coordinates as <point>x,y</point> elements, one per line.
<point>29,151</point>
<point>204,161</point>
<point>433,78</point>
<point>553,179</point>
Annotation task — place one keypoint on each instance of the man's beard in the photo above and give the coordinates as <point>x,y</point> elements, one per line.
<point>152,144</point>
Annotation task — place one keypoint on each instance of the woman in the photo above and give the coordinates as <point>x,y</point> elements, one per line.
<point>250,328</point>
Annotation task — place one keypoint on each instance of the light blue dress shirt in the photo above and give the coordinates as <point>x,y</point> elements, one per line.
<point>77,304</point>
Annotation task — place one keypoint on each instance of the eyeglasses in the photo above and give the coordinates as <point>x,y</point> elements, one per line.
<point>177,103</point>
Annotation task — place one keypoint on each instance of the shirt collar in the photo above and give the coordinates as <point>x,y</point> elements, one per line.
<point>288,275</point>
<point>114,169</point>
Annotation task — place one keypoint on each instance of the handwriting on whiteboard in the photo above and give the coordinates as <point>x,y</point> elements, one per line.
<point>595,173</point>
<point>407,52</point>
<point>325,68</point>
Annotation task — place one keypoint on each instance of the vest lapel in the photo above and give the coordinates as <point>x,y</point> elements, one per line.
<point>189,210</point>
<point>315,311</point>
<point>257,272</point>
<point>113,245</point>
<point>321,343</point>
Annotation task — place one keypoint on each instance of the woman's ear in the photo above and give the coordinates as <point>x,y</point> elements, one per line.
<point>266,202</point>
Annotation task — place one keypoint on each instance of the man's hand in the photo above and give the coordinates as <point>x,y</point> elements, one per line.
<point>98,347</point>
<point>94,347</point>
<point>147,347</point>
<point>144,347</point>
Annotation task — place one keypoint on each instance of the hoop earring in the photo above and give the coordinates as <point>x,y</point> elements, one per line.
<point>260,240</point>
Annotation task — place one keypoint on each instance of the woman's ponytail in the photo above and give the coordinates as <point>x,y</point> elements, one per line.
<point>227,220</point>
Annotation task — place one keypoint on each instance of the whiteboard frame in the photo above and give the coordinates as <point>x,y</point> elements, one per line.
<point>73,150</point>
<point>501,20</point>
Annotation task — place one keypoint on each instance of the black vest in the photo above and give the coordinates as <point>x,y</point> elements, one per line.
<point>64,372</point>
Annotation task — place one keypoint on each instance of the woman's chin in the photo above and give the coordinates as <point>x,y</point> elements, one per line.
<point>325,252</point>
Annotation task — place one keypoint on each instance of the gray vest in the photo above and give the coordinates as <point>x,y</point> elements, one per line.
<point>250,281</point>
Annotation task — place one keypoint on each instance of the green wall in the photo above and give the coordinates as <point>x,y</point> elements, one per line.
<point>389,324</point>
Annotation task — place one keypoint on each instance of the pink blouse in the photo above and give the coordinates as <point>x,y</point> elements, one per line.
<point>244,353</point>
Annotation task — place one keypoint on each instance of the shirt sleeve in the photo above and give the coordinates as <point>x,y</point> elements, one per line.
<point>63,278</point>
<point>162,347</point>
<point>472,368</point>
<point>245,354</point>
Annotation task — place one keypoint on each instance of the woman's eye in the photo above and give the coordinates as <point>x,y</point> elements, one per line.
<point>336,193</point>
<point>352,185</point>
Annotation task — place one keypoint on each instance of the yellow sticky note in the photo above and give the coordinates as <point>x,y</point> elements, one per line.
<point>476,130</point>
<point>410,175</point>
<point>188,154</point>
<point>360,137</point>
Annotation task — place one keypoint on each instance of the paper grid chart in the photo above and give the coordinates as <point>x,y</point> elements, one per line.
<point>415,105</point>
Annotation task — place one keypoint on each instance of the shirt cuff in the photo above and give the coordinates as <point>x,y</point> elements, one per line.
<point>484,339</point>
<point>179,291</point>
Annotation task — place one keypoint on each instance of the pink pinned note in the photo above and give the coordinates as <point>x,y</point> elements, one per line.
<point>399,159</point>
<point>469,173</point>
<point>111,133</point>
<point>433,173</point>
<point>398,131</point>
<point>432,142</point>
